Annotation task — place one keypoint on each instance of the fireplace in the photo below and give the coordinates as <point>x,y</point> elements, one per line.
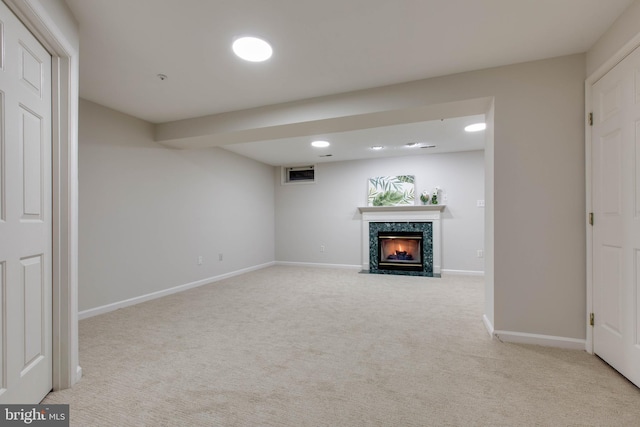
<point>421,220</point>
<point>400,250</point>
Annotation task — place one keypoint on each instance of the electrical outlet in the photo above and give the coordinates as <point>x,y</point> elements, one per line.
<point>481,203</point>
<point>480,253</point>
<point>321,248</point>
<point>219,257</point>
<point>200,260</point>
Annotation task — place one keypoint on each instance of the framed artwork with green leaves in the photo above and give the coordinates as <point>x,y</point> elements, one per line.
<point>391,190</point>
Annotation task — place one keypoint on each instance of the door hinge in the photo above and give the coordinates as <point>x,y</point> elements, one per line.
<point>590,119</point>
<point>590,218</point>
<point>592,319</point>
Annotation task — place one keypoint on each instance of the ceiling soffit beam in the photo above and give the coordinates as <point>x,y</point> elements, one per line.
<point>210,131</point>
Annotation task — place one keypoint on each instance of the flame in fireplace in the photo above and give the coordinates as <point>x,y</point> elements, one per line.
<point>394,247</point>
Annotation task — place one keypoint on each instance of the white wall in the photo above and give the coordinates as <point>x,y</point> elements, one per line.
<point>325,213</point>
<point>147,212</point>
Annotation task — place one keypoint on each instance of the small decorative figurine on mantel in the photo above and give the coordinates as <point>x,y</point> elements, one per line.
<point>425,197</point>
<point>434,198</point>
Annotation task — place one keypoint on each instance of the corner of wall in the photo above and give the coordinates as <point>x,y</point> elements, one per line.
<point>489,217</point>
<point>624,31</point>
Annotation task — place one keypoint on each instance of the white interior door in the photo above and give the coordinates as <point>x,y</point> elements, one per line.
<point>616,205</point>
<point>25,214</point>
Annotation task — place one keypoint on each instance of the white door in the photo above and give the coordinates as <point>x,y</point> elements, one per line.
<point>25,214</point>
<point>616,229</point>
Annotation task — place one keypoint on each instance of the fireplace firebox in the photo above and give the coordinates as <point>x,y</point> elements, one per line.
<point>400,250</point>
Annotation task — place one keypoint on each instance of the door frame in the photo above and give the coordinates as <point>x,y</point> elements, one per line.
<point>607,66</point>
<point>64,126</point>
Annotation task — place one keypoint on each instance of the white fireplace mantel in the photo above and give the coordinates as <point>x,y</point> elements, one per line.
<point>408,208</point>
<point>412,213</point>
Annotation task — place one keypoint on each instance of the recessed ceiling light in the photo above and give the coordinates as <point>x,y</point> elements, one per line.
<point>428,146</point>
<point>252,49</point>
<point>320,144</point>
<point>476,127</point>
<point>377,147</point>
<point>411,144</point>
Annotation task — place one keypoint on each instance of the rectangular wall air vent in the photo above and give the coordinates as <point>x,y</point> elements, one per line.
<point>299,174</point>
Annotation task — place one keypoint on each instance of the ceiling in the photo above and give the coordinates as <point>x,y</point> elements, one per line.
<point>447,135</point>
<point>320,48</point>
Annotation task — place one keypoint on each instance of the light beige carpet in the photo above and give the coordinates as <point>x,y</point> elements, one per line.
<point>289,346</point>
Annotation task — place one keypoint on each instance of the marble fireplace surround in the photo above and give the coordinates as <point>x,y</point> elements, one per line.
<point>413,213</point>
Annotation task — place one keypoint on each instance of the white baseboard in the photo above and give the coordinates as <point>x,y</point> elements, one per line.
<point>159,294</point>
<point>319,265</point>
<point>487,324</point>
<point>463,272</point>
<point>545,340</point>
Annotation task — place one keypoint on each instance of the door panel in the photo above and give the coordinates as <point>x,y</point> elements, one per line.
<point>611,172</point>
<point>637,170</point>
<point>610,102</point>
<point>616,204</point>
<point>2,155</point>
<point>611,304</point>
<point>3,330</point>
<point>31,140</point>
<point>26,224</point>
<point>33,299</point>
<point>31,72</point>
<point>636,302</point>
